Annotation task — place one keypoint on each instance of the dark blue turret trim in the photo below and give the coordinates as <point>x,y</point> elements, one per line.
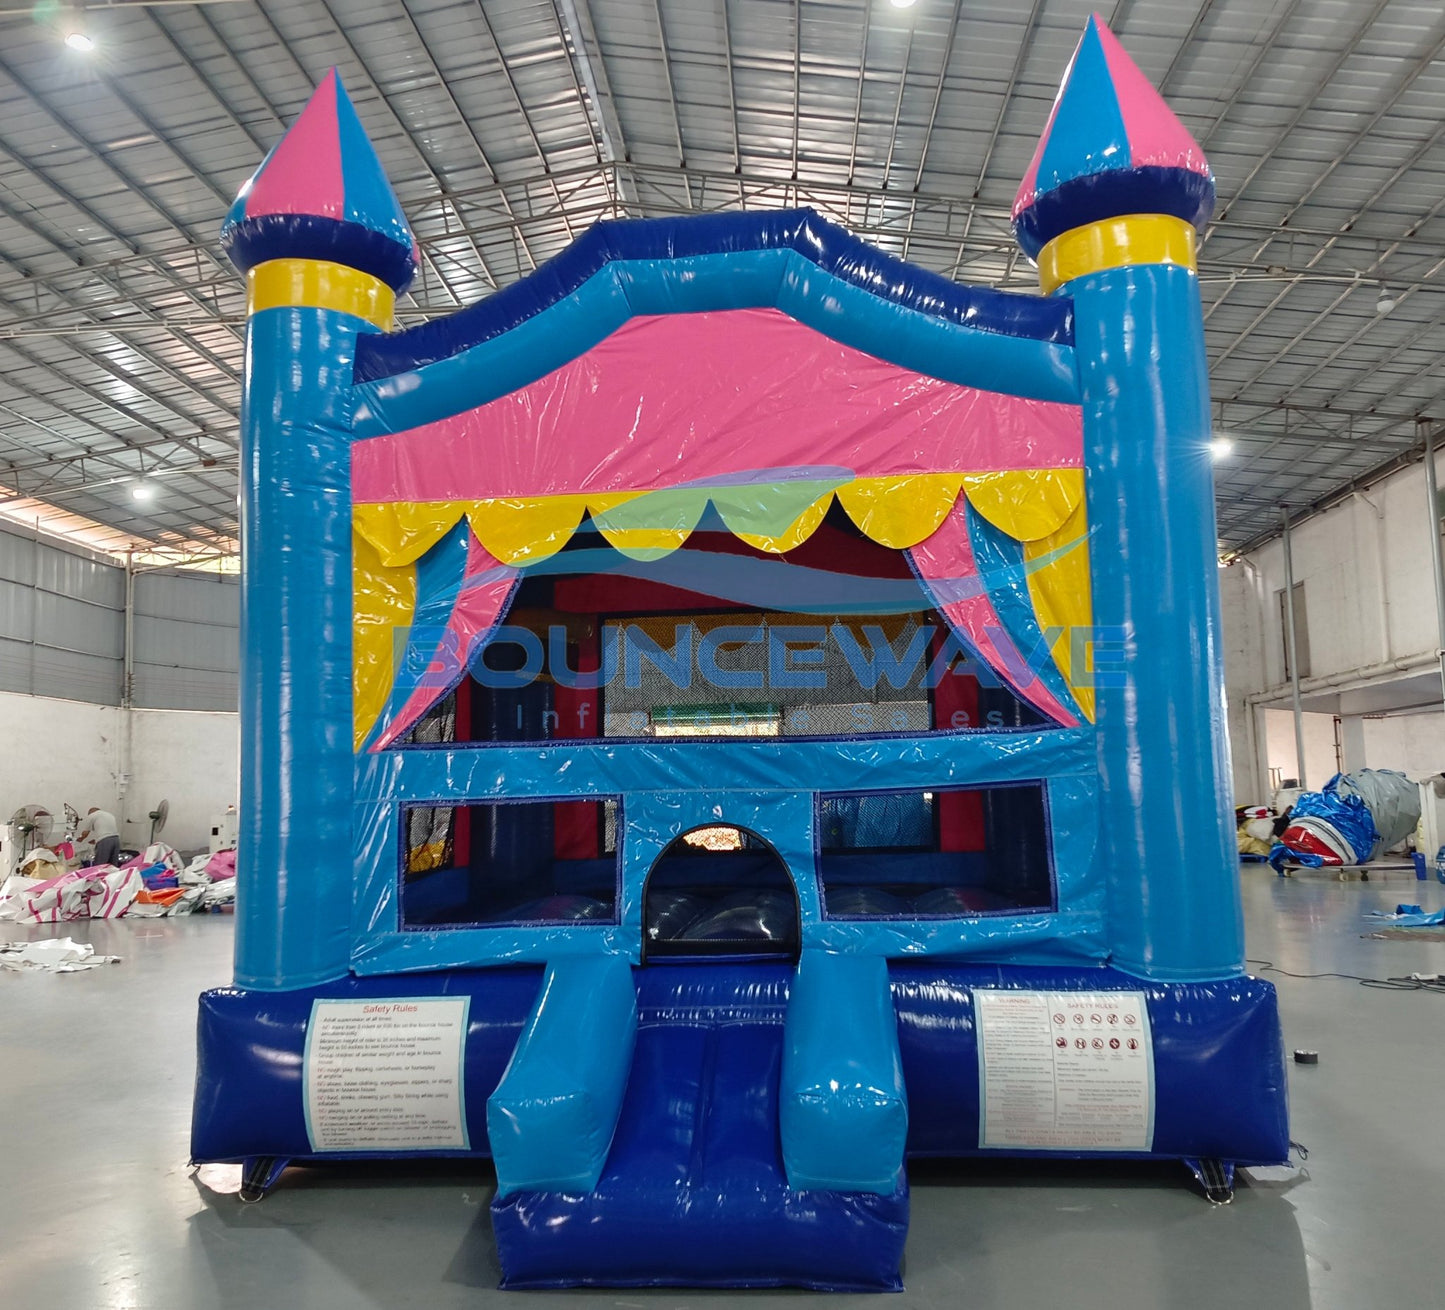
<point>1153,190</point>
<point>802,230</point>
<point>253,241</point>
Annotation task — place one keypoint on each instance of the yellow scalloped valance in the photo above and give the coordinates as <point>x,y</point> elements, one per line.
<point>1043,509</point>
<point>897,512</point>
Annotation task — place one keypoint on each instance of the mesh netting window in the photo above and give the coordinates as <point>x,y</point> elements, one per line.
<point>517,862</point>
<point>766,674</point>
<point>429,829</point>
<point>950,853</point>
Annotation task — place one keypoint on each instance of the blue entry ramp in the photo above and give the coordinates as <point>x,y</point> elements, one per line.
<point>694,1192</point>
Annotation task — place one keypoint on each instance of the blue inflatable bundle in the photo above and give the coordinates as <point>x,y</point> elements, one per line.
<point>1333,825</point>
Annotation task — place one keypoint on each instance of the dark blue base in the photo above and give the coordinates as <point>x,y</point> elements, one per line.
<point>1219,1068</point>
<point>694,1193</point>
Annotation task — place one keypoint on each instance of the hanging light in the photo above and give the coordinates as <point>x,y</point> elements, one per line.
<point>1221,447</point>
<point>902,4</point>
<point>1386,302</point>
<point>143,491</point>
<point>72,30</point>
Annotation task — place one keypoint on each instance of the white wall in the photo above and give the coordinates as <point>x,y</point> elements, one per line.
<point>53,751</point>
<point>1321,758</point>
<point>1412,743</point>
<point>56,751</point>
<point>189,758</point>
<point>1370,615</point>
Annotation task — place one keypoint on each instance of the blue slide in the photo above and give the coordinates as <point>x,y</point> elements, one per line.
<point>734,1078</point>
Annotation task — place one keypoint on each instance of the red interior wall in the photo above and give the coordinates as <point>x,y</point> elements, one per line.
<point>577,825</point>
<point>960,813</point>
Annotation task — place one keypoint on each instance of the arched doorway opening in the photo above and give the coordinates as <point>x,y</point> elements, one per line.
<point>719,890</point>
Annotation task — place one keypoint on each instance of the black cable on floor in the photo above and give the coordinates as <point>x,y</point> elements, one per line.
<point>1405,984</point>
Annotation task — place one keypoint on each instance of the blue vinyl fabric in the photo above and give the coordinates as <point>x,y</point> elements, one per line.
<point>1220,1078</point>
<point>1167,839</point>
<point>551,1119</point>
<point>694,1192</point>
<point>250,1098</point>
<point>1001,563</point>
<point>843,1108</point>
<point>441,575</point>
<point>967,335</point>
<point>902,335</point>
<point>801,231</point>
<point>1086,132</point>
<point>1086,172</point>
<point>1148,189</point>
<point>1219,1068</point>
<point>1344,810</point>
<point>293,922</point>
<point>756,786</point>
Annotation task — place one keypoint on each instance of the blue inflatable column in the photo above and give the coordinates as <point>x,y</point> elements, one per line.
<point>325,249</point>
<point>1167,843</point>
<point>294,856</point>
<point>1110,211</point>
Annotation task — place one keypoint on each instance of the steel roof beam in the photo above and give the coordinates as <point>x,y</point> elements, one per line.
<point>462,116</point>
<point>672,91</point>
<point>310,81</point>
<point>938,92</point>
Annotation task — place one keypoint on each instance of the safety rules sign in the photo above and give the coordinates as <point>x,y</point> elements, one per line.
<point>386,1075</point>
<point>1064,1071</point>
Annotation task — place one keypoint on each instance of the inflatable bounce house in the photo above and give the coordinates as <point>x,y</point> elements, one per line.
<point>732,713</point>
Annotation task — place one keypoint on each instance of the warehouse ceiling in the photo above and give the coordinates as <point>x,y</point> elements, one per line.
<point>509,126</point>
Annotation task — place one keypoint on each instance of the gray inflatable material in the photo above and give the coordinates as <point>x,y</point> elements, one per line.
<point>1393,800</point>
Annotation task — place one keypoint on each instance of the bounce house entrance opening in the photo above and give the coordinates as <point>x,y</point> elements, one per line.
<point>719,890</point>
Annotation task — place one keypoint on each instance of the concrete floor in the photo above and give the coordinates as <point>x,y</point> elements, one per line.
<point>98,1208</point>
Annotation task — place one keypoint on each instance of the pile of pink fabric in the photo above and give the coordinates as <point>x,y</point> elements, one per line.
<point>153,884</point>
<point>99,892</point>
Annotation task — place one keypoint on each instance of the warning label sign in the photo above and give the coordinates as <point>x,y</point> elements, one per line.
<point>386,1075</point>
<point>1064,1071</point>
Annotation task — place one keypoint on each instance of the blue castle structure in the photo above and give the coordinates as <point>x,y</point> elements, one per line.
<point>732,713</point>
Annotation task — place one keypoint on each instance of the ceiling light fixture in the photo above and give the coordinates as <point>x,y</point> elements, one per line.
<point>78,40</point>
<point>1220,447</point>
<point>902,4</point>
<point>143,491</point>
<point>1386,302</point>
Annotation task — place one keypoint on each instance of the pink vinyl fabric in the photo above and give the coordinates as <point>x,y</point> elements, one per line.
<point>303,174</point>
<point>1156,136</point>
<point>730,396</point>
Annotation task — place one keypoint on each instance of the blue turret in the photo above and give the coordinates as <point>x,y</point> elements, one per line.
<point>325,248</point>
<point>1109,208</point>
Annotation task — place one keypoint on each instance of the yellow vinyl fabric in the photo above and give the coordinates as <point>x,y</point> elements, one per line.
<point>1059,586</point>
<point>1041,508</point>
<point>383,600</point>
<point>1116,243</point>
<point>319,284</point>
<point>897,511</point>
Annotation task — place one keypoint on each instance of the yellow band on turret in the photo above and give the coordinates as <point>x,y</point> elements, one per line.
<point>1115,243</point>
<point>319,284</point>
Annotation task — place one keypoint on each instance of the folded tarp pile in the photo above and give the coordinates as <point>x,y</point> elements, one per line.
<point>1351,819</point>
<point>154,884</point>
<point>207,883</point>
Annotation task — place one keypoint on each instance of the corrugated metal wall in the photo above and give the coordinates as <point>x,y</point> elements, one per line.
<point>62,630</point>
